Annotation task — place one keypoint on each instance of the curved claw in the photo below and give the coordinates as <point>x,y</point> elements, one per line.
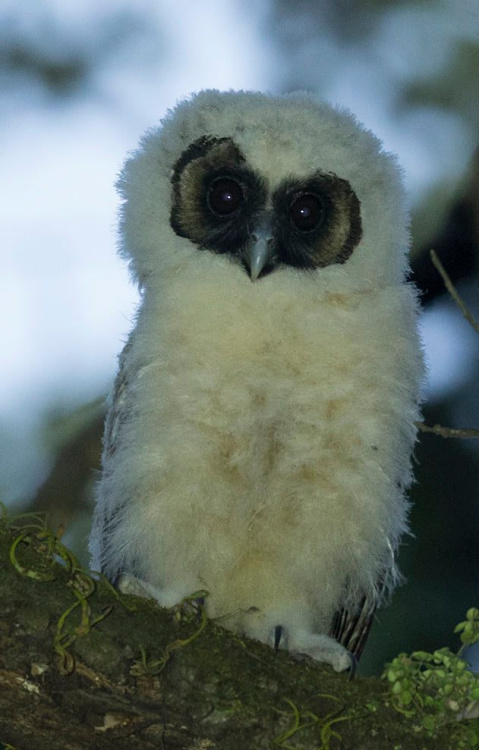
<point>278,633</point>
<point>353,666</point>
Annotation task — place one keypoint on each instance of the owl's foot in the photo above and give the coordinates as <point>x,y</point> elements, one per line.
<point>130,584</point>
<point>170,599</point>
<point>316,645</point>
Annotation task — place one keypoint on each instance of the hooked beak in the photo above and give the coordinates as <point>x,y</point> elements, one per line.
<point>260,246</point>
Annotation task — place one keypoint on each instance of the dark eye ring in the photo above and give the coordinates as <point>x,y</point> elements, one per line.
<point>307,212</point>
<point>225,195</point>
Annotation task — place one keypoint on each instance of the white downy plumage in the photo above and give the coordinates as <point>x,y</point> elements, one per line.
<point>259,437</point>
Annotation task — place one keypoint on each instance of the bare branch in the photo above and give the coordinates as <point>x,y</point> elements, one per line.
<point>453,292</point>
<point>448,432</point>
<point>437,429</point>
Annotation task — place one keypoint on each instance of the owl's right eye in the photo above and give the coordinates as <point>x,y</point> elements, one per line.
<point>225,196</point>
<point>307,212</point>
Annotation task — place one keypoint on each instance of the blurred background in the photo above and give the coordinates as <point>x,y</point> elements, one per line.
<point>80,82</point>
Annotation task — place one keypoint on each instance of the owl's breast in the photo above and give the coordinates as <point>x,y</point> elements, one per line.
<point>270,382</point>
<point>264,411</point>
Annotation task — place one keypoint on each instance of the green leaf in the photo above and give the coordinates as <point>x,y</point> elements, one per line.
<point>429,723</point>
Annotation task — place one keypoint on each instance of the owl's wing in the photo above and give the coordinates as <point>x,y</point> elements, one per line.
<point>117,411</point>
<point>108,510</point>
<point>351,627</point>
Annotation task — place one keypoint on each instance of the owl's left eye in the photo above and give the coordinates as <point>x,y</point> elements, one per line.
<point>307,212</point>
<point>225,196</point>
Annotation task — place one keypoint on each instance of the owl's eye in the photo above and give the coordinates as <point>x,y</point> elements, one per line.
<point>225,196</point>
<point>307,212</point>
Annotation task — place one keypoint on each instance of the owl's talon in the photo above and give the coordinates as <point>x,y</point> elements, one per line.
<point>353,666</point>
<point>191,606</point>
<point>278,634</point>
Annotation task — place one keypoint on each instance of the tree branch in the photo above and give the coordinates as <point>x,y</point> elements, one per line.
<point>85,668</point>
<point>453,292</point>
<point>448,432</point>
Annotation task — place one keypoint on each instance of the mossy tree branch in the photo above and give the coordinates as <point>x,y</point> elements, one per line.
<point>86,668</point>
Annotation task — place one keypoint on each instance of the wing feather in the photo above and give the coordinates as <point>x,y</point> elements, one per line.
<point>351,626</point>
<point>108,513</point>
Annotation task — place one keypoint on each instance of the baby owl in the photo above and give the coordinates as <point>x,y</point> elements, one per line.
<point>259,435</point>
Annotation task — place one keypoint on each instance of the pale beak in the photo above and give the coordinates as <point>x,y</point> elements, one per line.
<point>260,247</point>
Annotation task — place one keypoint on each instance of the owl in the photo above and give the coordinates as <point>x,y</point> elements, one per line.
<point>259,436</point>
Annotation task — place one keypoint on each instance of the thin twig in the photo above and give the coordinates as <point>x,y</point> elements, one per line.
<point>448,432</point>
<point>437,429</point>
<point>453,292</point>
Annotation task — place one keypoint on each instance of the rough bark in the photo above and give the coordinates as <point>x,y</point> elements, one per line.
<point>71,681</point>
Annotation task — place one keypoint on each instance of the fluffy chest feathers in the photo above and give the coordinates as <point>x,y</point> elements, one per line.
<point>270,409</point>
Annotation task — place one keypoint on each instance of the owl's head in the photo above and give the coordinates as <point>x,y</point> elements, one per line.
<point>267,188</point>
